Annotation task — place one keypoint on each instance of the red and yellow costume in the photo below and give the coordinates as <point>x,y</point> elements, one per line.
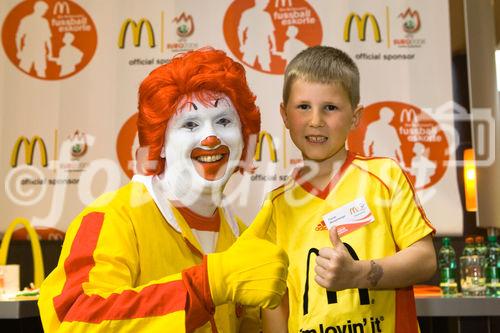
<point>121,268</point>
<point>132,263</point>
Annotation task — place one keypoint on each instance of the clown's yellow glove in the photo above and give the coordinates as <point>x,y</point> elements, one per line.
<point>251,272</point>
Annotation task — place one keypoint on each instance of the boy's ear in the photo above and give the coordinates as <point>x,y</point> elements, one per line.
<point>283,114</point>
<point>357,116</point>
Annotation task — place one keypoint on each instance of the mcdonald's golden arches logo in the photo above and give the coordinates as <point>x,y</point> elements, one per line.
<point>408,116</point>
<point>270,143</point>
<point>29,150</point>
<point>61,8</point>
<point>354,210</point>
<point>136,32</point>
<point>361,25</point>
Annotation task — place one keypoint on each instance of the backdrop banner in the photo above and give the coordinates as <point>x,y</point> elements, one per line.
<point>70,71</point>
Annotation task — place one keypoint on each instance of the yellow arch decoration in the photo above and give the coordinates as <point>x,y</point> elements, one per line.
<point>38,268</point>
<point>361,23</point>
<point>272,149</point>
<point>136,28</point>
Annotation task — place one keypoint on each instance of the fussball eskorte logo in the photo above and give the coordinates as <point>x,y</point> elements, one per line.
<point>49,39</point>
<point>407,134</point>
<point>266,34</point>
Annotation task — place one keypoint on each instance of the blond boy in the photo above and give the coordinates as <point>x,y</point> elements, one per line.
<point>362,281</point>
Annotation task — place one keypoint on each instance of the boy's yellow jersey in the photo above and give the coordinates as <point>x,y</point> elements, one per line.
<point>292,217</point>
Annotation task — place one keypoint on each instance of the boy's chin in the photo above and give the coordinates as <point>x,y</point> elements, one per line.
<point>321,157</point>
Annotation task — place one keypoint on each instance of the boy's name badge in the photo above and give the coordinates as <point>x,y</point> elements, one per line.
<point>349,217</point>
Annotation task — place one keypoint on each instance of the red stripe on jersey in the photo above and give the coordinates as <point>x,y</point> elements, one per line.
<point>408,180</point>
<point>406,313</point>
<point>417,202</point>
<point>279,194</point>
<point>74,305</point>
<point>284,186</point>
<point>270,194</point>
<point>322,194</point>
<point>367,158</point>
<point>375,176</point>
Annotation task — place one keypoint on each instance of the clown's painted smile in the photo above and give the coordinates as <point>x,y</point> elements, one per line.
<point>210,163</point>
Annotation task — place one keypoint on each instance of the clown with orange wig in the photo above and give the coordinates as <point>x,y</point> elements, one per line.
<point>161,254</point>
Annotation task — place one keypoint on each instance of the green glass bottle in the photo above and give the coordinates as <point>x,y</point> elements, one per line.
<point>492,267</point>
<point>447,268</point>
<point>469,246</point>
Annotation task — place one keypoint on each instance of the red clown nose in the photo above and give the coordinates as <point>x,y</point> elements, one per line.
<point>211,141</point>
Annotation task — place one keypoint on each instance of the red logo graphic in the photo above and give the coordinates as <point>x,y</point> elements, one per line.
<point>185,25</point>
<point>125,145</point>
<point>411,20</point>
<point>78,144</point>
<point>407,134</point>
<point>267,34</point>
<point>49,40</point>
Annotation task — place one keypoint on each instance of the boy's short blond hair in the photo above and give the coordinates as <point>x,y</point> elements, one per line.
<point>323,64</point>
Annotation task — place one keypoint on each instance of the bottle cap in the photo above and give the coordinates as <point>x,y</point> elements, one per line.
<point>469,240</point>
<point>479,239</point>
<point>446,241</point>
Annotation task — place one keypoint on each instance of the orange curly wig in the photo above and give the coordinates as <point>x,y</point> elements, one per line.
<point>202,73</point>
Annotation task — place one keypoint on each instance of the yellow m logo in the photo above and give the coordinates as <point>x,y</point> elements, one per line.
<point>361,23</point>
<point>61,7</point>
<point>270,143</point>
<point>29,149</point>
<point>136,32</point>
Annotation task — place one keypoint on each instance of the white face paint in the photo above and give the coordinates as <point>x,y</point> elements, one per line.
<point>203,146</point>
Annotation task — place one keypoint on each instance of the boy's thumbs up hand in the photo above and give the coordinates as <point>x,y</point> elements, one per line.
<point>335,268</point>
<point>335,238</point>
